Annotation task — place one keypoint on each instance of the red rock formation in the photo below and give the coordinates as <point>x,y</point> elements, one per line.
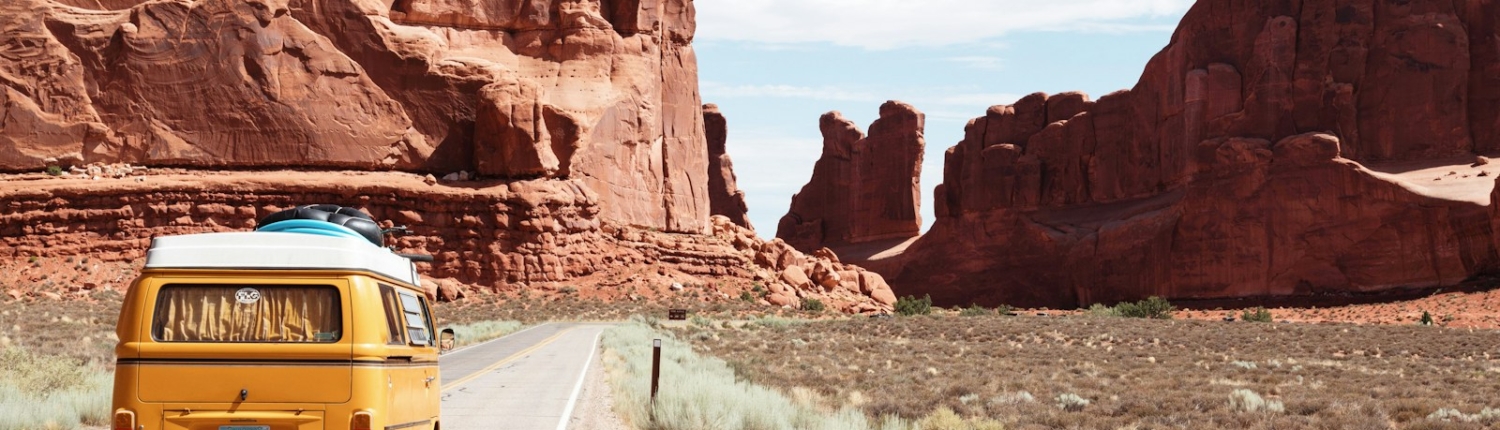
<point>724,195</point>
<point>554,88</point>
<point>537,235</point>
<point>1207,179</point>
<point>863,189</point>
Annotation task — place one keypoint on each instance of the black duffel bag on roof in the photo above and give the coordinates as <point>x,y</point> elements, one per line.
<point>352,218</point>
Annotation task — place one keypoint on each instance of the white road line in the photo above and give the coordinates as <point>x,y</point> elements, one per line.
<point>573,400</point>
<point>466,348</point>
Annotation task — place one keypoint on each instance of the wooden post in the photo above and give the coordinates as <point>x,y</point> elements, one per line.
<point>655,369</point>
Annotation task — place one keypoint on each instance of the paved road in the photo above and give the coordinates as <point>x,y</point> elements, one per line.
<point>528,380</point>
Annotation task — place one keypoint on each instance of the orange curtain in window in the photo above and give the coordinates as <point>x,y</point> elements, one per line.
<point>215,314</point>
<point>392,313</point>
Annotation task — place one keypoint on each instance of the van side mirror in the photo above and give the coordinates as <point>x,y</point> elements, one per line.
<point>446,340</point>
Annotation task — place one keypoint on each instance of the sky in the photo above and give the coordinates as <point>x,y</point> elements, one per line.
<point>775,66</point>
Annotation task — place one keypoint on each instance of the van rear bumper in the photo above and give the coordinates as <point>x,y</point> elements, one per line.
<point>196,419</point>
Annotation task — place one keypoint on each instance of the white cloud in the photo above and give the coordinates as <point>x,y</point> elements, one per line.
<point>1119,27</point>
<point>887,24</point>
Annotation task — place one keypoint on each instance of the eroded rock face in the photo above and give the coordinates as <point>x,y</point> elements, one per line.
<point>1236,167</point>
<point>537,236</point>
<point>863,188</point>
<point>605,93</point>
<point>724,195</point>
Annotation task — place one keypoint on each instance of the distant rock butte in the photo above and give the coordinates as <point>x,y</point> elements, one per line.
<point>1272,149</point>
<point>863,189</point>
<point>602,92</point>
<point>724,195</point>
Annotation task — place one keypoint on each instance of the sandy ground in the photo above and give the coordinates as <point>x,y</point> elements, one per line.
<point>1459,309</point>
<point>595,409</point>
<point>1458,179</point>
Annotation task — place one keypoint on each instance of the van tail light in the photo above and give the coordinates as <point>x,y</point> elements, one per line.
<point>124,420</point>
<point>361,421</point>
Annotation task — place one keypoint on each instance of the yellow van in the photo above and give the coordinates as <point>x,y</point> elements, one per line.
<point>276,330</point>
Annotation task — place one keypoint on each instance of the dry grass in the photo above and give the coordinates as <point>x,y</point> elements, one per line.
<point>1022,371</point>
<point>48,392</point>
<point>1129,373</point>
<point>82,331</point>
<point>703,393</point>
<point>699,392</point>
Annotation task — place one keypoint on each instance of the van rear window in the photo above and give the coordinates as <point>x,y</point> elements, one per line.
<point>248,313</point>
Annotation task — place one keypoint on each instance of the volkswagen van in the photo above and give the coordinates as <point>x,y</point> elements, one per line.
<point>303,328</point>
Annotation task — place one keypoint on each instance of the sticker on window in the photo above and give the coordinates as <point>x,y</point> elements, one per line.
<point>247,296</point>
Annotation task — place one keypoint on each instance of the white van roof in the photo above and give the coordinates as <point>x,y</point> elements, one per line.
<point>267,250</point>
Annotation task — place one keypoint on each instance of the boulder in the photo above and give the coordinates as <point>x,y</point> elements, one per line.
<point>784,300</point>
<point>826,254</point>
<point>430,288</point>
<point>796,277</point>
<point>451,291</point>
<point>884,296</point>
<point>823,274</point>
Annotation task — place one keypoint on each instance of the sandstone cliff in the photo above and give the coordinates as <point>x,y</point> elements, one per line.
<point>724,195</point>
<point>569,133</point>
<point>539,236</point>
<point>1272,149</point>
<point>601,92</point>
<point>863,189</point>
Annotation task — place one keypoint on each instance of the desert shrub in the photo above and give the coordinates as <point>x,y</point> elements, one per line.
<point>974,311</point>
<point>1100,310</point>
<point>1406,409</point>
<point>482,331</point>
<point>55,170</point>
<point>910,305</point>
<point>1259,314</point>
<point>746,296</point>
<point>1446,414</point>
<point>701,321</point>
<point>1488,416</point>
<point>1050,356</point>
<point>1426,318</point>
<point>1153,307</point>
<point>1004,310</point>
<point>1247,401</point>
<point>1071,402</point>
<point>52,392</point>
<point>771,321</point>
<point>1012,398</point>
<point>945,419</point>
<point>704,392</point>
<point>812,305</point>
